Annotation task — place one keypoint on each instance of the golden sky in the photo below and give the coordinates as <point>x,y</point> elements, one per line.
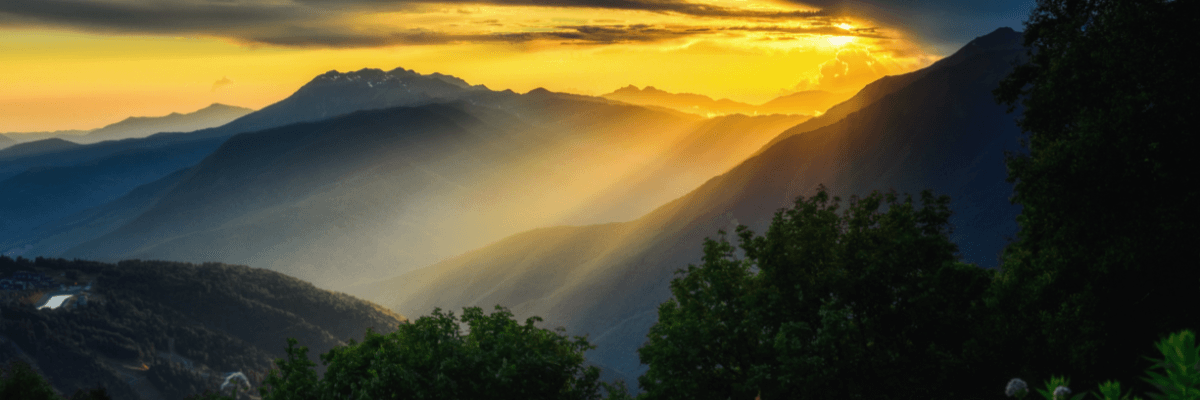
<point>82,64</point>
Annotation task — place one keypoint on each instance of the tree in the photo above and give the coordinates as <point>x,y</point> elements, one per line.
<point>1105,255</point>
<point>431,358</point>
<point>871,302</point>
<point>21,382</point>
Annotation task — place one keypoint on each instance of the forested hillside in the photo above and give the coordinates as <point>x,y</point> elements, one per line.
<point>163,330</point>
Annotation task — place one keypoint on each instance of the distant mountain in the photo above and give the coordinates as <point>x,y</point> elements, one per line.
<point>942,130</point>
<point>809,102</point>
<point>802,103</point>
<point>23,137</point>
<point>6,141</point>
<point>365,194</point>
<point>54,179</point>
<point>138,127</point>
<point>686,102</point>
<point>163,330</point>
<point>35,148</point>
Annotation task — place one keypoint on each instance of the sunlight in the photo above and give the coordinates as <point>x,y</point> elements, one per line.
<point>840,40</point>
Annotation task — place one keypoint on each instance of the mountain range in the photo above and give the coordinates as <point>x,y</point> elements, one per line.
<point>214,115</point>
<point>811,102</point>
<point>937,128</point>
<point>416,191</point>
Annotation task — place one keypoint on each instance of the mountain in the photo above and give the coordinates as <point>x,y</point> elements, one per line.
<point>163,330</point>
<point>45,194</point>
<point>137,127</point>
<point>812,102</point>
<point>370,193</point>
<point>22,137</point>
<point>942,130</point>
<point>6,141</point>
<point>36,148</point>
<point>54,179</point>
<point>686,102</point>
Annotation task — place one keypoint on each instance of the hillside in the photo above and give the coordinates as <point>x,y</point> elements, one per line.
<point>163,330</point>
<point>806,103</point>
<point>370,193</point>
<point>137,127</point>
<point>942,131</point>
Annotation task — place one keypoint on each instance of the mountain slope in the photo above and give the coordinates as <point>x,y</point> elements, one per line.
<point>136,127</point>
<point>160,330</point>
<point>942,131</point>
<point>55,178</point>
<point>801,103</point>
<point>36,148</point>
<point>6,141</point>
<point>370,193</point>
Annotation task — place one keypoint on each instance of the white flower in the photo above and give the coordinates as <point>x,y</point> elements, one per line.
<point>1016,387</point>
<point>1061,392</point>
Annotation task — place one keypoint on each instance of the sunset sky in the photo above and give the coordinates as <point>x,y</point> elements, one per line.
<point>83,64</point>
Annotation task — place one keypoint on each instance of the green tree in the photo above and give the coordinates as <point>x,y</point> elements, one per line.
<point>1106,253</point>
<point>432,358</point>
<point>871,302</point>
<point>21,382</point>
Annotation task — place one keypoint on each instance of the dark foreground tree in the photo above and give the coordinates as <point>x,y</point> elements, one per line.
<point>1106,257</point>
<point>432,358</point>
<point>868,303</point>
<point>20,382</point>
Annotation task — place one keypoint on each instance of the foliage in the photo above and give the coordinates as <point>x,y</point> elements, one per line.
<point>871,302</point>
<point>21,382</point>
<point>1109,220</point>
<point>1057,389</point>
<point>294,378</point>
<point>1181,363</point>
<point>97,393</point>
<point>432,358</point>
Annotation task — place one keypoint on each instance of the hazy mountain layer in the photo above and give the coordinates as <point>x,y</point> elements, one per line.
<point>53,178</point>
<point>376,192</point>
<point>137,127</point>
<point>6,141</point>
<point>22,137</point>
<point>43,195</point>
<point>162,330</point>
<point>36,148</point>
<point>801,103</point>
<point>941,131</point>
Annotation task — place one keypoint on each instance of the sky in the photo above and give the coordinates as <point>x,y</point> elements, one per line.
<point>83,64</point>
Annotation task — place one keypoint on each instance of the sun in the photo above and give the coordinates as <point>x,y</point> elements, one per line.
<point>845,26</point>
<point>840,41</point>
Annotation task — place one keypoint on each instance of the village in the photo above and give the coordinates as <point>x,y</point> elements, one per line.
<point>43,291</point>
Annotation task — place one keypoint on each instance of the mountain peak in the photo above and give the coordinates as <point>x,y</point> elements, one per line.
<point>539,91</point>
<point>1001,38</point>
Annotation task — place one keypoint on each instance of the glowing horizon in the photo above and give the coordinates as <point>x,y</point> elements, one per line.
<point>77,73</point>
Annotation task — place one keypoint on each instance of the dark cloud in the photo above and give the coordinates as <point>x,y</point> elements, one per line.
<point>323,23</point>
<point>148,17</point>
<point>816,30</point>
<point>581,34</point>
<point>945,24</point>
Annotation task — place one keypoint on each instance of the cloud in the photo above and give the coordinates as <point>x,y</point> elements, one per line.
<point>223,82</point>
<point>851,68</point>
<point>271,21</point>
<point>577,34</point>
<point>946,24</point>
<point>338,23</point>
